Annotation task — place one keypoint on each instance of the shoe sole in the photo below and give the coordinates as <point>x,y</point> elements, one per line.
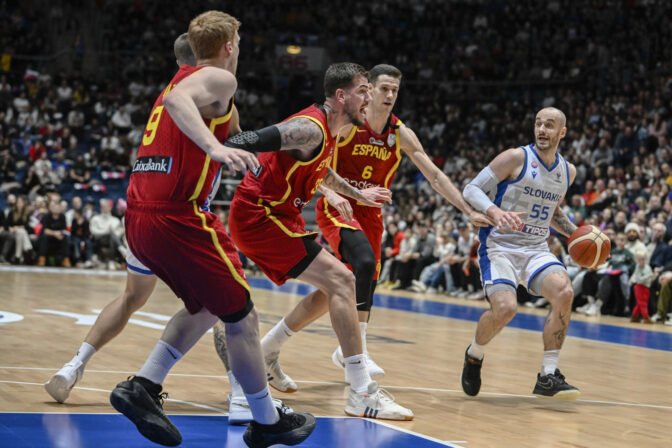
<point>151,430</point>
<point>57,387</point>
<point>565,395</point>
<point>289,390</point>
<point>404,418</point>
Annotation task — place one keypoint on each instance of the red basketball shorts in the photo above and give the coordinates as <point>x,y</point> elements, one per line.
<point>190,251</point>
<point>367,219</point>
<point>276,243</point>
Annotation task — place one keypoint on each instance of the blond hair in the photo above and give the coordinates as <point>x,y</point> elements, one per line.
<point>209,31</point>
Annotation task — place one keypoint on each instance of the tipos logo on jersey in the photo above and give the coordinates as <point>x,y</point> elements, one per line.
<point>153,164</point>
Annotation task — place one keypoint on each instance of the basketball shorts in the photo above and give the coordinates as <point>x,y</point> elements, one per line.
<point>190,251</point>
<point>278,244</point>
<point>134,266</point>
<point>367,219</point>
<point>514,266</point>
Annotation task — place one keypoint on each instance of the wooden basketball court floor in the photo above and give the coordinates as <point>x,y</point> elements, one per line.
<point>624,372</point>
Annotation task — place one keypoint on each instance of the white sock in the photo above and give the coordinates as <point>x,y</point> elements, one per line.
<point>274,339</point>
<point>358,374</point>
<point>550,362</point>
<point>159,363</point>
<point>362,331</point>
<point>261,405</point>
<point>475,350</point>
<point>236,388</point>
<point>85,352</point>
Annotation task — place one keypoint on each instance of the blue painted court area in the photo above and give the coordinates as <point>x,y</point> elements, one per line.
<point>35,430</point>
<point>650,339</point>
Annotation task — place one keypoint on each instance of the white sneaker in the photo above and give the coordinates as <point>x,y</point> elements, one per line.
<point>655,318</point>
<point>668,322</point>
<point>478,295</point>
<point>418,284</point>
<point>276,377</point>
<point>60,385</point>
<point>377,403</point>
<point>595,309</point>
<point>240,413</point>
<point>375,371</point>
<point>432,290</point>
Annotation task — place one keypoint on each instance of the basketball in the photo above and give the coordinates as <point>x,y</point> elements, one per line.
<point>589,247</point>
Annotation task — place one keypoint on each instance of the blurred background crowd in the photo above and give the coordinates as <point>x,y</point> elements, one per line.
<point>78,79</point>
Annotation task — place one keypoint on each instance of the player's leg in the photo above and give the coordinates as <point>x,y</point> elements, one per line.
<point>239,409</point>
<point>366,399</point>
<point>108,325</point>
<point>356,250</point>
<point>554,283</point>
<point>503,306</point>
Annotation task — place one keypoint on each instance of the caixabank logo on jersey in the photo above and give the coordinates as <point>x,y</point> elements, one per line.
<point>153,164</point>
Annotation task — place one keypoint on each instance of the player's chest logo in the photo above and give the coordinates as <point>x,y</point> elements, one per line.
<point>391,140</point>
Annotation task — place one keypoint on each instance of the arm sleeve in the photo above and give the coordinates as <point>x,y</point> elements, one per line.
<point>476,191</point>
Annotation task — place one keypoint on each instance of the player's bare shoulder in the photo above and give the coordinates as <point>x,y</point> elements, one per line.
<point>509,164</point>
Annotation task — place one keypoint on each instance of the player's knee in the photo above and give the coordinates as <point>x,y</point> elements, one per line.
<point>342,283</point>
<point>565,296</point>
<point>505,310</point>
<point>248,325</point>
<point>365,266</point>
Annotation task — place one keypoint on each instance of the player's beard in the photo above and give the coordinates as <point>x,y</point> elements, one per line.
<point>354,118</point>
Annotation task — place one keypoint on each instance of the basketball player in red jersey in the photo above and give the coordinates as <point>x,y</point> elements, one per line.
<point>367,156</point>
<point>266,224</point>
<point>171,232</point>
<point>140,283</point>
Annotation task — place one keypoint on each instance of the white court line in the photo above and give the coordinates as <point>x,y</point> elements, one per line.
<point>93,389</point>
<point>416,434</point>
<point>333,383</point>
<point>222,411</point>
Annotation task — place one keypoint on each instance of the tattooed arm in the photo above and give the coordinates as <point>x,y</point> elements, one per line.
<point>372,197</point>
<point>560,221</point>
<point>220,344</point>
<point>301,135</point>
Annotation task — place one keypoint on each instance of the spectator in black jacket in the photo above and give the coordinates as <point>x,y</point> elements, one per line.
<point>54,238</point>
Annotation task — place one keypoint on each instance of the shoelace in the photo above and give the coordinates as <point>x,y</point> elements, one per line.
<point>383,395</point>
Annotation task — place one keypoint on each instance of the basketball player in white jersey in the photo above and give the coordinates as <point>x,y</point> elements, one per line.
<point>521,190</point>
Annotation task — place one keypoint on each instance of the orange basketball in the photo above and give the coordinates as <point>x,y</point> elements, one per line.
<point>589,247</point>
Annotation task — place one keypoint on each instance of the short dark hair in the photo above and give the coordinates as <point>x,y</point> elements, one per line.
<point>182,50</point>
<point>383,69</point>
<point>340,76</point>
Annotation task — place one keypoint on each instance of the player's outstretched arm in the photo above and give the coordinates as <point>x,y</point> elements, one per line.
<point>205,87</point>
<point>371,197</point>
<point>438,179</point>
<point>560,221</point>
<point>505,166</point>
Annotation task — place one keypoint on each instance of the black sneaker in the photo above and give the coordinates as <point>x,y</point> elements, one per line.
<point>554,386</point>
<point>471,374</point>
<point>140,400</point>
<point>292,429</point>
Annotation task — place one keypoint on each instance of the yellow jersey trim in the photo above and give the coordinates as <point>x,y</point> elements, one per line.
<point>349,137</point>
<point>396,165</point>
<point>206,164</point>
<point>300,163</point>
<point>279,223</point>
<point>335,221</point>
<point>220,250</point>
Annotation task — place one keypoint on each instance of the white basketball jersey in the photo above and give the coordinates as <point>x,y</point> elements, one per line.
<point>536,191</point>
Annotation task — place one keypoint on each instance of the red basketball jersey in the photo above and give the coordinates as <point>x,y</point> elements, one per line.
<point>283,184</point>
<point>367,159</point>
<point>170,166</point>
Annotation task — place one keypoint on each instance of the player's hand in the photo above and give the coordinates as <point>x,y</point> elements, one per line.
<point>236,159</point>
<point>480,220</point>
<point>342,205</point>
<point>506,221</point>
<point>375,196</point>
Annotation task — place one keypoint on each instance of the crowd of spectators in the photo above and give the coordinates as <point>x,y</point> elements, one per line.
<point>475,73</point>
